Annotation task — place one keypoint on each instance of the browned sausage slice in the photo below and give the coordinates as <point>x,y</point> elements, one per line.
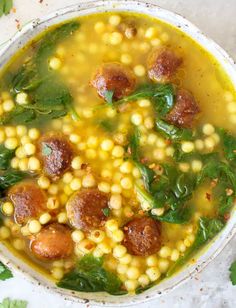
<point>56,153</point>
<point>162,64</point>
<point>53,242</point>
<point>29,201</point>
<point>114,77</point>
<point>184,110</point>
<point>85,209</point>
<point>142,236</point>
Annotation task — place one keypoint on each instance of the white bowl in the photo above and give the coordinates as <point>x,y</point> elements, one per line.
<point>211,251</point>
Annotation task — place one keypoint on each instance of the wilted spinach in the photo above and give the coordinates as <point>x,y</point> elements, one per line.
<point>5,157</point>
<point>89,275</point>
<point>5,273</point>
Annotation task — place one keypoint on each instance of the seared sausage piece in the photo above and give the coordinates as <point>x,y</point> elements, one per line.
<point>162,64</point>
<point>29,201</point>
<point>56,153</point>
<point>114,77</point>
<point>85,209</point>
<point>184,110</point>
<point>53,242</point>
<point>142,236</point>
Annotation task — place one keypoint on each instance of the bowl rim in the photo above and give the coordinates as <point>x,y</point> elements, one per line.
<point>215,246</point>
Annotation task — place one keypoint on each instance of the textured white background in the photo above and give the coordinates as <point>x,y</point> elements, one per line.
<point>212,287</point>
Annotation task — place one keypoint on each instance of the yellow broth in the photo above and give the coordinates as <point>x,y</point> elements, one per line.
<point>99,40</point>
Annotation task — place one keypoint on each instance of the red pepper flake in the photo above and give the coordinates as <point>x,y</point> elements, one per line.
<point>214,183</point>
<point>208,196</point>
<point>144,160</point>
<point>168,142</point>
<point>229,191</point>
<point>89,246</point>
<point>234,151</point>
<point>17,23</point>
<point>141,212</point>
<point>226,216</point>
<point>129,150</point>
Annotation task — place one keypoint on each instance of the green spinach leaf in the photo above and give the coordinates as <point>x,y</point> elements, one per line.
<point>5,7</point>
<point>90,276</point>
<point>9,303</point>
<point>5,157</point>
<point>172,132</point>
<point>11,177</point>
<point>233,273</point>
<point>5,273</point>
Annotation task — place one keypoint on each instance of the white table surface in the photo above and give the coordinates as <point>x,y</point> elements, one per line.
<point>212,287</point>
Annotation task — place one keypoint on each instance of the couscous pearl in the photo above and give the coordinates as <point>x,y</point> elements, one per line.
<point>57,273</point>
<point>133,272</point>
<point>97,253</point>
<point>199,144</point>
<point>126,183</point>
<point>152,138</point>
<point>187,242</point>
<point>232,118</point>
<point>33,164</point>
<point>105,247</point>
<point>158,212</point>
<point>208,129</point>
<point>139,70</point>
<point>126,259</point>
<point>150,32</point>
<point>29,149</point>
<point>10,131</point>
<point>103,155</point>
<point>55,63</point>
<point>76,163</point>
<point>7,208</point>
<point>115,202</point>
<point>21,130</point>
<point>153,273</point>
<point>209,143</point>
<point>44,218</point>
<point>11,143</point>
<point>116,188</point>
<point>105,173</point>
<point>165,252</point>
<point>5,233</point>
<point>34,226</point>
<point>34,133</point>
<point>107,145</point>
<point>152,261</point>
<point>115,38</point>
<point>170,151</point>
<point>159,154</point>
<point>118,236</point>
<point>126,167</point>
<point>77,236</point>
<point>118,162</point>
<point>149,123</point>
<point>174,255</point>
<point>131,285</point>
<point>20,152</point>
<point>62,218</point>
<point>23,164</point>
<point>15,162</point>
<point>22,98</point>
<point>136,173</point>
<point>187,146</point>
<point>99,27</point>
<point>160,143</point>
<point>75,184</point>
<point>104,187</point>
<point>122,268</point>
<point>184,167</point>
<point>191,238</point>
<point>163,265</point>
<point>119,251</point>
<point>196,165</point>
<point>92,142</point>
<point>25,139</point>
<point>180,246</point>
<point>126,58</point>
<point>112,225</point>
<point>136,119</point>
<point>143,280</point>
<point>97,236</point>
<point>156,42</point>
<point>8,105</point>
<point>114,20</point>
<point>118,151</point>
<point>52,203</point>
<point>144,103</point>
<point>74,138</point>
<point>88,181</point>
<point>216,138</point>
<point>67,178</point>
<point>59,263</point>
<point>18,244</point>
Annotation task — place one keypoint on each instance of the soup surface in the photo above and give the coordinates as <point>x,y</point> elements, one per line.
<point>117,152</point>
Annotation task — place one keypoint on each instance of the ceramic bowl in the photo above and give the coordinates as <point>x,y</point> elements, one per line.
<point>210,252</point>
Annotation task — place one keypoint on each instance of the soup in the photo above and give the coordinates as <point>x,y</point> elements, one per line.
<point>118,152</point>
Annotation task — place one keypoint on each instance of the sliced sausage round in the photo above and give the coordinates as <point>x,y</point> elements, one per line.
<point>184,110</point>
<point>162,64</point>
<point>142,236</point>
<point>56,153</point>
<point>85,209</point>
<point>114,77</point>
<point>29,201</point>
<point>53,242</point>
